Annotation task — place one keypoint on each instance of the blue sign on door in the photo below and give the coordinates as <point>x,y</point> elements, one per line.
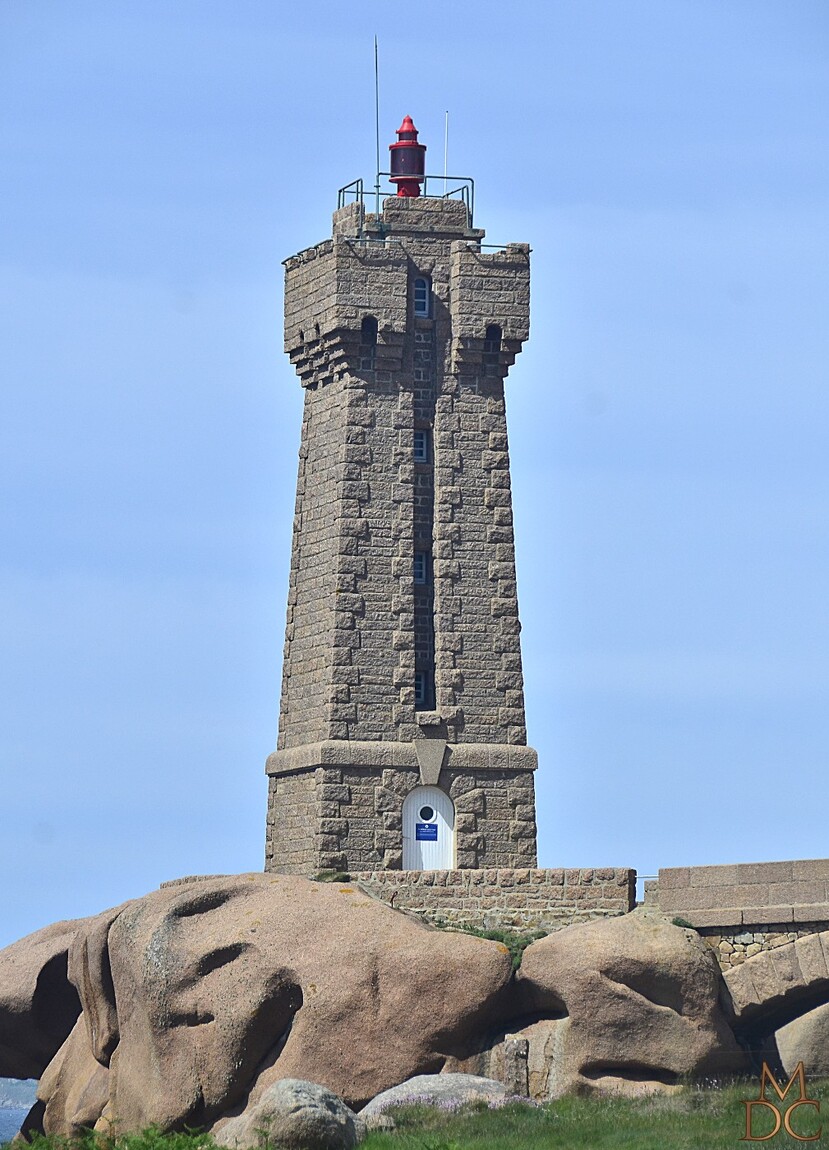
<point>426,832</point>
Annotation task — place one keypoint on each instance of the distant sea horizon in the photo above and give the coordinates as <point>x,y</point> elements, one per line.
<point>11,1119</point>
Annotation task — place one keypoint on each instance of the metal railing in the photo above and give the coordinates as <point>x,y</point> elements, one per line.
<point>464,190</point>
<point>477,246</point>
<point>354,189</point>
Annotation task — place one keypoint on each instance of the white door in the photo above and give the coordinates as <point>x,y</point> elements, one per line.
<point>428,830</point>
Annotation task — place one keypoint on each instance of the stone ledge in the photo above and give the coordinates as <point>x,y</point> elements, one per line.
<point>745,894</point>
<point>342,753</point>
<point>498,876</point>
<point>809,872</point>
<point>726,918</point>
<point>710,918</point>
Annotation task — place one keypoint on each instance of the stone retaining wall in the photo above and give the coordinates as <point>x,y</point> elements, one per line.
<point>517,899</point>
<point>732,949</point>
<point>747,894</point>
<point>744,909</point>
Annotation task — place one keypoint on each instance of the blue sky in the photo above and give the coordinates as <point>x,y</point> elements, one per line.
<point>668,161</point>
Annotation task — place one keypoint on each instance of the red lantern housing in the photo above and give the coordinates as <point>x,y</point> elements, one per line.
<point>408,160</point>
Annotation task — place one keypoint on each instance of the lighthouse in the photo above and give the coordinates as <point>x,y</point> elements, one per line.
<point>402,737</point>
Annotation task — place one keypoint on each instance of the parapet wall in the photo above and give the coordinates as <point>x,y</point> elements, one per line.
<point>747,894</point>
<point>745,908</point>
<point>520,899</point>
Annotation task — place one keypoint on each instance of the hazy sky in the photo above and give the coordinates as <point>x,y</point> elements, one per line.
<point>668,161</point>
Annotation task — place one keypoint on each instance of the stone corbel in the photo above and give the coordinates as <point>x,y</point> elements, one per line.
<point>430,755</point>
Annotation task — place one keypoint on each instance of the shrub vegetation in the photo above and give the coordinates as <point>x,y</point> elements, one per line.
<point>515,941</point>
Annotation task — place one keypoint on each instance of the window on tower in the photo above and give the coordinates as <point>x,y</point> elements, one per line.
<point>421,566</point>
<point>421,445</point>
<point>421,686</point>
<point>422,296</point>
<point>492,346</point>
<point>368,343</point>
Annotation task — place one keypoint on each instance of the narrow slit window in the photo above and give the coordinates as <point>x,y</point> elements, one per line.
<point>421,446</point>
<point>421,686</point>
<point>368,343</point>
<point>422,295</point>
<point>492,346</point>
<point>421,567</point>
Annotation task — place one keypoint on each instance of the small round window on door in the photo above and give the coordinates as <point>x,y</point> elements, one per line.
<point>428,830</point>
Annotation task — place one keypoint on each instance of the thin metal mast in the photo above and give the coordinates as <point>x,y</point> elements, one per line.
<point>445,150</point>
<point>377,128</point>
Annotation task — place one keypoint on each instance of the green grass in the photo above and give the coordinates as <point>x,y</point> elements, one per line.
<point>150,1139</point>
<point>695,1119</point>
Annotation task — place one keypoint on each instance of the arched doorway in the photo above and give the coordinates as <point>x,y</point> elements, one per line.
<point>428,830</point>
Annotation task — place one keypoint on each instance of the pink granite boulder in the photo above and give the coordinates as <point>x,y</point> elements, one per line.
<point>201,995</point>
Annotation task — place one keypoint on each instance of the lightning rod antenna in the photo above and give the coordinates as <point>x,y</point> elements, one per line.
<point>377,128</point>
<point>445,150</point>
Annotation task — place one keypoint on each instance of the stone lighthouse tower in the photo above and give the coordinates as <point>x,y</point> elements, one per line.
<point>402,738</point>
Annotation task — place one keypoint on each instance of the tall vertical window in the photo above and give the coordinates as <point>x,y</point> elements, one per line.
<point>422,296</point>
<point>368,343</point>
<point>421,686</point>
<point>421,567</point>
<point>421,445</point>
<point>492,346</point>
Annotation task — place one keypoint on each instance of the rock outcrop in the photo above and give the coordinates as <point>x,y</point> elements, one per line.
<point>189,1006</point>
<point>201,995</point>
<point>295,1115</point>
<point>806,1040</point>
<point>444,1091</point>
<point>38,1003</point>
<point>642,1008</point>
<point>624,1005</point>
<point>787,980</point>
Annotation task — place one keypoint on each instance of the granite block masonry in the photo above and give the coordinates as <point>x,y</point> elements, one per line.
<point>402,661</point>
<point>743,909</point>
<point>513,900</point>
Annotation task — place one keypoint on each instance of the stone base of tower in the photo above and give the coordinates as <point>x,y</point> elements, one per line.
<point>339,805</point>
